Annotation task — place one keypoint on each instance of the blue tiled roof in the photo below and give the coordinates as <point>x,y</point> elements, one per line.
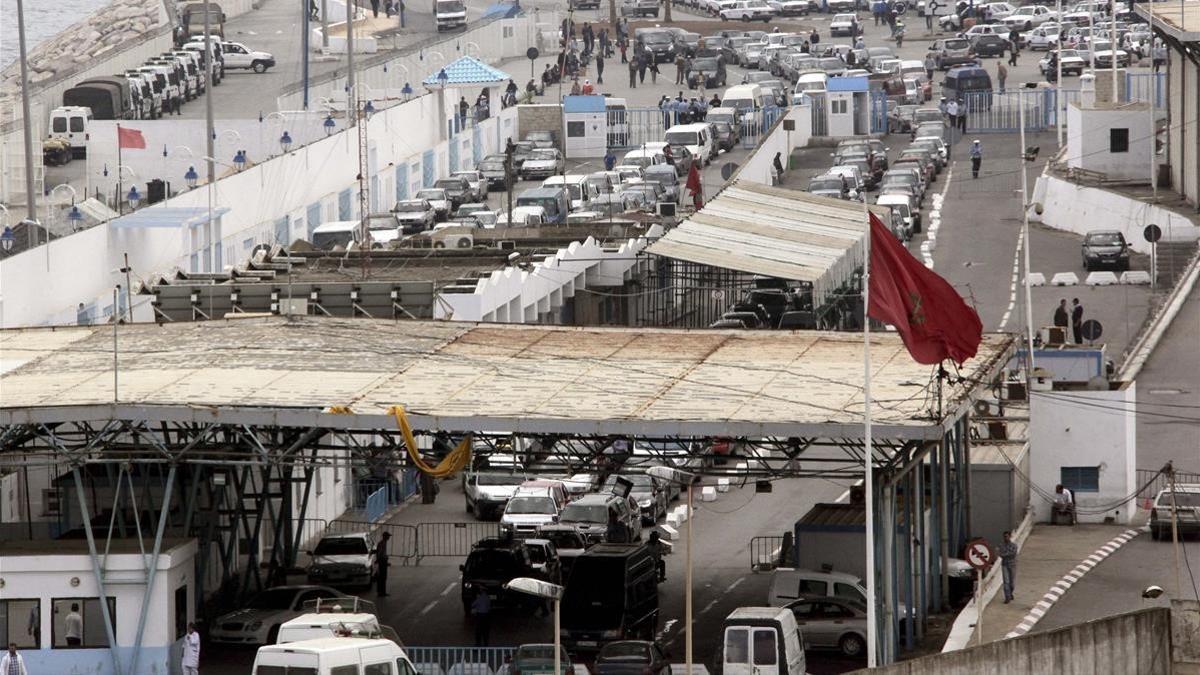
<point>583,104</point>
<point>859,83</point>
<point>468,70</point>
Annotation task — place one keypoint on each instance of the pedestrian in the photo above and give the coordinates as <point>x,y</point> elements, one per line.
<point>464,109</point>
<point>976,158</point>
<point>814,38</point>
<point>930,11</point>
<point>1007,550</point>
<point>1012,54</point>
<point>653,70</point>
<point>610,160</point>
<point>804,48</point>
<point>575,90</point>
<point>633,69</point>
<point>622,46</point>
<point>375,8</point>
<point>654,543</point>
<point>1014,38</point>
<point>666,105</point>
<point>1001,75</point>
<point>642,66</point>
<point>481,612</point>
<point>314,13</point>
<point>382,563</point>
<point>962,118</point>
<point>600,67</point>
<point>930,65</point>
<point>1077,320</point>
<point>951,108</point>
<point>191,651</point>
<point>778,164</point>
<point>715,102</point>
<point>1062,318</point>
<point>587,89</point>
<point>73,625</point>
<point>679,63</point>
<point>12,663</point>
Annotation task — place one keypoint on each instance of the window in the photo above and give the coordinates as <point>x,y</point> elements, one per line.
<point>847,591</point>
<point>838,106</point>
<point>764,647</point>
<point>384,668</point>
<point>1081,478</point>
<point>835,611</point>
<point>813,587</point>
<point>77,124</point>
<point>343,670</point>
<point>59,125</point>
<point>405,668</point>
<point>1118,140</point>
<point>79,622</point>
<point>21,622</point>
<point>576,129</point>
<point>181,611</point>
<point>737,645</point>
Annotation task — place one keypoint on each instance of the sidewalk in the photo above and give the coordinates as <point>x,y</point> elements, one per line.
<point>1050,552</point>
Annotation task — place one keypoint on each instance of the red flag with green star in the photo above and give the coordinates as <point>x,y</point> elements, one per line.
<point>929,314</point>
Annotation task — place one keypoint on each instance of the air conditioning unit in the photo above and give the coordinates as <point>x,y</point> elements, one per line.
<point>507,245</point>
<point>455,241</point>
<point>666,209</point>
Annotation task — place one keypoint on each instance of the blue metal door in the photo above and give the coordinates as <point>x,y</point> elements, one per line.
<point>402,182</point>
<point>428,168</point>
<point>453,147</point>
<point>344,212</point>
<point>476,144</point>
<point>312,218</point>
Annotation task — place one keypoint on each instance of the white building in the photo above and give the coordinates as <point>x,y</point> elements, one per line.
<point>1110,138</point>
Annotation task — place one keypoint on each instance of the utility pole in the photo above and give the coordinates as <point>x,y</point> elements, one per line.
<point>209,139</point>
<point>27,128</point>
<point>612,21</point>
<point>324,27</point>
<point>351,95</point>
<point>667,10</point>
<point>304,14</point>
<point>1175,529</point>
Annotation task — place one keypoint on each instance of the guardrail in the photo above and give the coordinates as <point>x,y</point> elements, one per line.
<point>410,543</point>
<point>377,504</point>
<point>766,553</point>
<point>451,539</point>
<point>460,660</point>
<point>1156,481</point>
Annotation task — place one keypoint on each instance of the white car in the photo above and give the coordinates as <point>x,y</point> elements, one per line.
<point>479,184</point>
<point>344,559</point>
<point>1028,17</point>
<point>1072,63</point>
<point>748,10</point>
<point>437,198</point>
<point>415,215</point>
<point>843,5</point>
<point>1000,10</point>
<point>1044,37</point>
<point>542,163</point>
<point>790,7</point>
<point>258,623</point>
<point>844,24</point>
<point>237,55</point>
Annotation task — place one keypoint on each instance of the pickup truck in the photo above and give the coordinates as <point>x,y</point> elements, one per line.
<point>748,10</point>
<point>640,8</point>
<point>477,182</point>
<point>450,14</point>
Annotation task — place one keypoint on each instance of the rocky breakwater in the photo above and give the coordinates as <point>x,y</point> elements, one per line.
<point>92,40</point>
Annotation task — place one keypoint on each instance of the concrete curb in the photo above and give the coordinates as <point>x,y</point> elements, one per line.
<point>1069,579</point>
<point>1145,344</point>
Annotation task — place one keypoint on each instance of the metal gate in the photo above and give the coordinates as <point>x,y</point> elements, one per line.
<point>1146,87</point>
<point>879,111</point>
<point>989,111</point>
<point>757,124</point>
<point>460,660</point>
<point>820,117</point>
<point>634,127</point>
<point>451,539</point>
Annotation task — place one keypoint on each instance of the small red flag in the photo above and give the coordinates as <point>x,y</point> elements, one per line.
<point>130,138</point>
<point>695,187</point>
<point>929,314</point>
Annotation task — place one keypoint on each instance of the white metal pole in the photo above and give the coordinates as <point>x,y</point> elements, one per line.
<point>557,640</point>
<point>1153,121</point>
<point>687,636</point>
<point>1060,101</point>
<point>869,480</point>
<point>978,607</point>
<point>1025,245</point>
<point>27,129</point>
<point>1112,39</point>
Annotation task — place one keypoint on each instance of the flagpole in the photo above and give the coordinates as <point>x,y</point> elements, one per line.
<point>869,481</point>
<point>1025,240</point>
<point>119,164</point>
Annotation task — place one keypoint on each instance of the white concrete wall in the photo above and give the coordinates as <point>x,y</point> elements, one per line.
<point>1183,104</point>
<point>759,165</point>
<point>514,295</point>
<point>46,285</point>
<point>1088,141</point>
<point>1084,428</point>
<point>1081,209</point>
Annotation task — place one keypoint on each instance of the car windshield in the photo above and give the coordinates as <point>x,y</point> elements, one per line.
<point>624,651</point>
<point>491,165</point>
<point>704,64</point>
<point>530,506</point>
<point>1104,239</point>
<point>432,194</point>
<point>499,479</point>
<point>564,540</point>
<point>276,598</point>
<point>957,44</point>
<point>410,207</point>
<point>488,563</point>
<point>547,154</point>
<point>641,482</point>
<point>825,185</point>
<point>585,513</point>
<point>1188,499</point>
<point>682,138</point>
<point>341,546</point>
<point>662,177</point>
<point>449,184</point>
<point>656,38</point>
<point>899,179</point>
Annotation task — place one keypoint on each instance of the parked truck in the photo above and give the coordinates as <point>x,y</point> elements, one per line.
<point>108,99</point>
<point>192,19</point>
<point>450,14</point>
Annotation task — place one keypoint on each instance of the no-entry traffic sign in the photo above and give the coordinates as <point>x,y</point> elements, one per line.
<point>979,553</point>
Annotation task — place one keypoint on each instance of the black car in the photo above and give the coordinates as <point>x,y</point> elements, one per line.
<point>710,70</point>
<point>492,563</point>
<point>632,657</point>
<point>1105,248</point>
<point>989,45</point>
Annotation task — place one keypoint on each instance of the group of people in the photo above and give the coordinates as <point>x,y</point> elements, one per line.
<point>680,110</point>
<point>1072,317</point>
<point>482,108</point>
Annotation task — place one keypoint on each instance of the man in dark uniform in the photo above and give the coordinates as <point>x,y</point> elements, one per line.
<point>1062,318</point>
<point>1077,320</point>
<point>382,563</point>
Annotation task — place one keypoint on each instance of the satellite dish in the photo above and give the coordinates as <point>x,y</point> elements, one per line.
<point>728,169</point>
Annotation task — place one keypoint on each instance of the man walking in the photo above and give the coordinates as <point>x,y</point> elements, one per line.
<point>1012,53</point>
<point>633,69</point>
<point>1061,317</point>
<point>962,117</point>
<point>600,67</point>
<point>481,612</point>
<point>1077,320</point>
<point>930,66</point>
<point>951,110</point>
<point>381,565</point>
<point>679,63</point>
<point>375,8</point>
<point>976,158</point>
<point>191,651</point>
<point>12,663</point>
<point>1001,75</point>
<point>643,64</point>
<point>73,624</point>
<point>1008,565</point>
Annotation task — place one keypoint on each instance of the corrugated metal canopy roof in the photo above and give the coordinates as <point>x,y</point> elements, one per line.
<point>775,232</point>
<point>714,382</point>
<point>1180,20</point>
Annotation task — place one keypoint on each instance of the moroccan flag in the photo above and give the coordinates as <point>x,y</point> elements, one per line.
<point>695,187</point>
<point>929,314</point>
<point>130,138</point>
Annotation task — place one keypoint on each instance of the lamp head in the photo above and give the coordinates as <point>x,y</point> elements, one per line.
<point>191,177</point>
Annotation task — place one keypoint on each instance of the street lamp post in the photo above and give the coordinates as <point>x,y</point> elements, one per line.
<point>685,478</point>
<point>547,591</point>
<point>191,177</point>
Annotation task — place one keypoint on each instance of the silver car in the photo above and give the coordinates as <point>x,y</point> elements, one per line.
<point>832,623</point>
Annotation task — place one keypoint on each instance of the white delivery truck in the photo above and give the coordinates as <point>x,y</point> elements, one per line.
<point>333,655</point>
<point>450,14</point>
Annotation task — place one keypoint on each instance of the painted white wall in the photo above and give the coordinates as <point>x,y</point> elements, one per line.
<point>1088,140</point>
<point>758,166</point>
<point>1081,209</point>
<point>45,285</point>
<point>1084,428</point>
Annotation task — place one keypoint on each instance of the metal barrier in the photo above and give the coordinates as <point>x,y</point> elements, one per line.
<point>460,660</point>
<point>451,539</point>
<point>1146,87</point>
<point>820,116</point>
<point>766,553</point>
<point>1156,481</point>
<point>634,127</point>
<point>377,504</point>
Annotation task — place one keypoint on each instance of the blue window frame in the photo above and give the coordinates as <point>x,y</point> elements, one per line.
<point>1080,478</point>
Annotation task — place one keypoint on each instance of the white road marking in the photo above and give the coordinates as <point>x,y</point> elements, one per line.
<point>1012,289</point>
<point>429,607</point>
<point>448,588</point>
<point>735,584</point>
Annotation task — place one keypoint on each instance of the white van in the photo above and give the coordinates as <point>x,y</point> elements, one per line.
<point>579,190</point>
<point>70,123</point>
<point>901,206</point>
<point>697,138</point>
<point>747,97</point>
<point>762,641</point>
<point>328,236</point>
<point>313,626</point>
<point>333,656</point>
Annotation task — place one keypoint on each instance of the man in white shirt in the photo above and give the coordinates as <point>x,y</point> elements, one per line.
<point>191,651</point>
<point>1064,503</point>
<point>12,663</point>
<point>73,623</point>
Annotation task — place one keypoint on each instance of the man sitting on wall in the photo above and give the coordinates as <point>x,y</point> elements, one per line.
<point>1064,503</point>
